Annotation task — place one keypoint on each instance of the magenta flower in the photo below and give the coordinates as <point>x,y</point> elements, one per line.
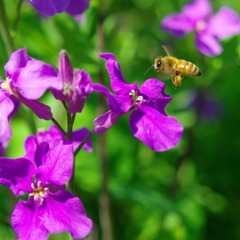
<point>52,7</point>
<point>49,207</point>
<point>148,121</point>
<point>77,85</point>
<point>209,28</point>
<point>26,80</point>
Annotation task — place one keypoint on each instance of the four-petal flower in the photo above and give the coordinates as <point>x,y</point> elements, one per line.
<point>49,207</point>
<point>148,121</point>
<point>210,28</point>
<point>26,80</point>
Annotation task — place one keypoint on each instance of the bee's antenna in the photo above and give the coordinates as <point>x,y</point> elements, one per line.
<point>148,69</point>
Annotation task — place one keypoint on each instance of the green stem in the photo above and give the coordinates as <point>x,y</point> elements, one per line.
<point>83,142</point>
<point>71,118</point>
<point>4,29</point>
<point>59,126</point>
<point>19,6</point>
<point>71,184</point>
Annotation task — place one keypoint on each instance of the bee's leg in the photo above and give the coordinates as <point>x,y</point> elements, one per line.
<point>177,80</point>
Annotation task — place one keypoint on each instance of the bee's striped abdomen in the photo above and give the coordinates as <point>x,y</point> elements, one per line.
<point>187,68</point>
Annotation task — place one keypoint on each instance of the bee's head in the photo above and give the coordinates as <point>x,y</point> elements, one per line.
<point>158,64</point>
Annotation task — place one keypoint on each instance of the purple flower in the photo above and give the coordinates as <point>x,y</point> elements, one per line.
<point>49,207</point>
<point>206,104</point>
<point>209,28</point>
<point>52,7</point>
<point>148,120</point>
<point>26,80</point>
<point>77,85</point>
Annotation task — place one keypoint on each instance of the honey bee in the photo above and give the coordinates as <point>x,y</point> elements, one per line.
<point>176,68</point>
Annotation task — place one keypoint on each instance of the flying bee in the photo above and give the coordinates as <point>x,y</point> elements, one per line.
<point>176,68</point>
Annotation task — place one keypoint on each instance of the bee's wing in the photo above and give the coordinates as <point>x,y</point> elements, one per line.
<point>166,50</point>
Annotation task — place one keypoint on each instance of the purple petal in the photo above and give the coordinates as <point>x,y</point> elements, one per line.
<point>100,88</point>
<point>65,212</point>
<point>105,121</point>
<point>34,143</point>
<point>3,146</point>
<point>186,21</point>
<point>178,24</point>
<point>198,9</point>
<point>82,85</point>
<point>83,82</point>
<point>65,68</point>
<point>79,136</point>
<point>154,90</point>
<point>34,79</point>
<point>76,7</point>
<point>161,134</point>
<point>49,7</point>
<point>118,83</point>
<point>31,149</point>
<point>26,222</point>
<point>57,162</point>
<point>207,44</point>
<point>65,74</point>
<point>119,104</point>
<point>18,59</point>
<point>77,103</point>
<point>225,23</point>
<point>6,108</point>
<point>16,174</point>
<point>41,110</point>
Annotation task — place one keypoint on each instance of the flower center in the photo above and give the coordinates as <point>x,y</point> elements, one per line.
<point>67,90</point>
<point>200,26</point>
<point>136,99</point>
<point>6,85</point>
<point>39,192</point>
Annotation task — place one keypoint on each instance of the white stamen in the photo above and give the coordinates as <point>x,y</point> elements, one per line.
<point>38,192</point>
<point>68,89</point>
<point>6,85</point>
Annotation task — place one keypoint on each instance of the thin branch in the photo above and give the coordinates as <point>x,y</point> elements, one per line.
<point>104,199</point>
<point>4,29</point>
<point>83,142</point>
<point>19,6</point>
<point>59,127</point>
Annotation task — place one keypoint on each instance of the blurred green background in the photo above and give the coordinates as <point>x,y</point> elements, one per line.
<point>191,192</point>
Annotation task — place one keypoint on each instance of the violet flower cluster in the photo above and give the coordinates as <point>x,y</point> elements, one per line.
<point>209,28</point>
<point>52,7</point>
<point>48,163</point>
